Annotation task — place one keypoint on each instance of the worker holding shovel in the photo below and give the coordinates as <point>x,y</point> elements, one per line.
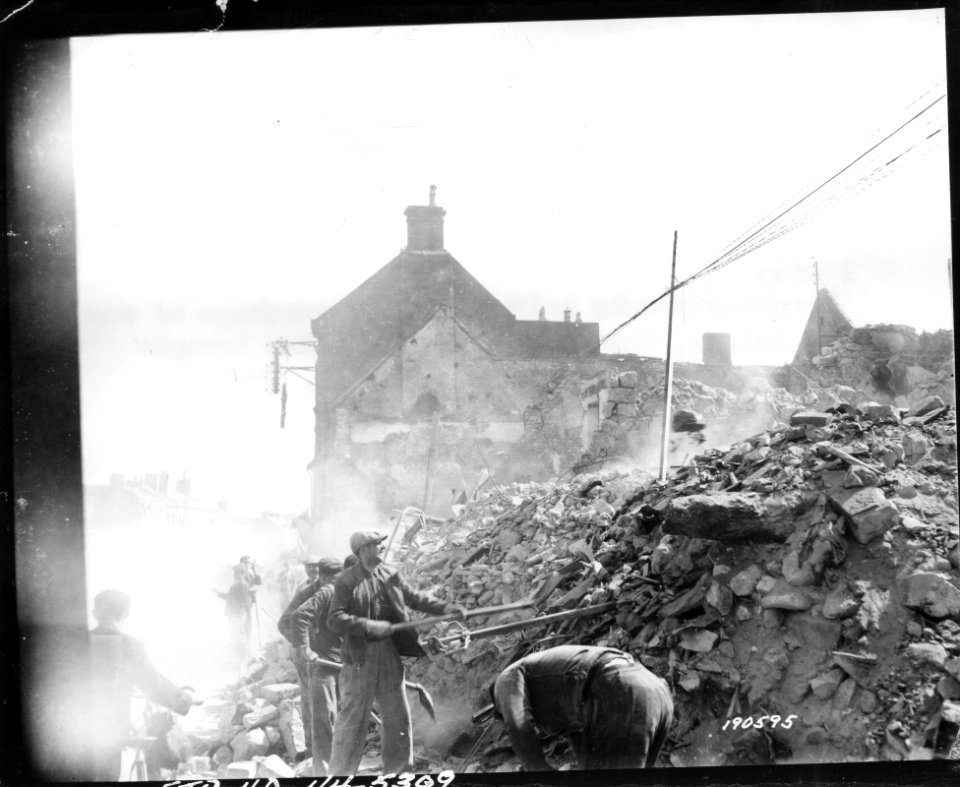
<point>369,601</point>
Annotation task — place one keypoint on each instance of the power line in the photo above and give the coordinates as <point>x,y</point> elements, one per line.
<point>753,240</point>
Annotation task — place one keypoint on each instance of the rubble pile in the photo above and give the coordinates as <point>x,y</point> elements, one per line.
<point>252,729</point>
<point>889,361</point>
<point>810,571</point>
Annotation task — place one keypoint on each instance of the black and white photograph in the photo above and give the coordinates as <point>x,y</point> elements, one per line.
<point>465,401</point>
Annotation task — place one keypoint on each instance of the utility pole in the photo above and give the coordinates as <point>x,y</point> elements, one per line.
<point>668,393</point>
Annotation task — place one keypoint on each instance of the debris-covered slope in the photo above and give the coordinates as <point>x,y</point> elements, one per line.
<point>810,571</point>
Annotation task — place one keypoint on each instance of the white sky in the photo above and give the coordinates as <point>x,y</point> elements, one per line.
<point>230,187</point>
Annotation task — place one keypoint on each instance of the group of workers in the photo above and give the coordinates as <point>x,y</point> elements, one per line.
<point>613,711</point>
<point>348,649</point>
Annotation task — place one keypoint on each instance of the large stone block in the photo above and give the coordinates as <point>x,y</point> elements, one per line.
<point>811,418</point>
<point>291,728</point>
<point>728,516</point>
<point>273,766</point>
<point>260,716</point>
<point>250,743</point>
<point>869,514</point>
<point>275,693</point>
<point>932,594</point>
<point>246,769</point>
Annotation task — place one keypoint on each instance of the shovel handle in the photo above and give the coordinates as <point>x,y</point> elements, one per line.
<point>470,613</point>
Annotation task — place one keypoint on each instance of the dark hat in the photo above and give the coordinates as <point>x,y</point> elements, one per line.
<point>329,565</point>
<point>349,560</point>
<point>365,537</point>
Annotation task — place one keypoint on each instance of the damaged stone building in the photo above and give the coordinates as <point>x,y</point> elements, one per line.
<point>427,383</point>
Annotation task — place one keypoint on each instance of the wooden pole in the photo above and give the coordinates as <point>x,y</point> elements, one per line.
<point>668,392</point>
<point>431,454</point>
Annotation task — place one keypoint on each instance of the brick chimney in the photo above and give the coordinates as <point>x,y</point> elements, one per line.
<point>425,225</point>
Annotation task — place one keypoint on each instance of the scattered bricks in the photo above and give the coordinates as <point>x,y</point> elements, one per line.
<point>925,406</point>
<point>273,735</point>
<point>927,653</point>
<point>826,685</point>
<point>277,692</point>
<point>949,688</point>
<point>223,756</point>
<point>810,418</point>
<point>291,728</point>
<point>953,667</point>
<point>303,769</point>
<point>891,455</point>
<point>783,596</point>
<point>260,716</point>
<point>868,513</point>
<point>249,743</point>
<point>868,701</point>
<point>274,767</point>
<point>720,598</point>
<point>743,613</point>
<point>699,641</point>
<point>873,411</point>
<point>629,380</point>
<point>241,770</point>
<point>932,594</point>
<point>844,694</point>
<point>758,455</point>
<point>199,765</point>
<point>857,476</point>
<point>743,584</point>
<point>766,583</point>
<point>839,604</point>
<point>915,447</point>
<point>688,601</point>
<point>727,516</point>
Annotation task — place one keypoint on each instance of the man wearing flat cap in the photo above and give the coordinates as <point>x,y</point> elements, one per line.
<point>367,599</point>
<point>313,640</point>
<point>323,570</point>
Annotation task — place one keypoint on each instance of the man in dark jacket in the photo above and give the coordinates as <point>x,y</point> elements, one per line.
<point>324,570</point>
<point>118,663</point>
<point>614,712</point>
<point>313,640</point>
<point>367,599</point>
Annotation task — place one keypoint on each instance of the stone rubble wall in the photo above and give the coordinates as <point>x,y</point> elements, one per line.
<point>811,569</point>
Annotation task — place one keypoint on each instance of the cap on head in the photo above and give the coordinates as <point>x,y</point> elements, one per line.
<point>111,606</point>
<point>349,560</point>
<point>329,565</point>
<point>310,560</point>
<point>363,538</point>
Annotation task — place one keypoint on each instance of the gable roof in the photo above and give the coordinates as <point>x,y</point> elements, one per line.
<point>371,322</point>
<point>825,325</point>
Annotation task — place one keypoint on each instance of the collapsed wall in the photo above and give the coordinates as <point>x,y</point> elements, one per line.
<point>889,363</point>
<point>810,570</point>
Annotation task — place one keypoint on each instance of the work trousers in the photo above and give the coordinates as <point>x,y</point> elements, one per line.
<point>323,715</point>
<point>627,713</point>
<point>303,678</point>
<point>379,677</point>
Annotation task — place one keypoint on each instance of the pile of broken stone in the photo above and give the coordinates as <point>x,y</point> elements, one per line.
<point>252,729</point>
<point>810,570</point>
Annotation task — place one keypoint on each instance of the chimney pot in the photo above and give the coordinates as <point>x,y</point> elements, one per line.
<point>566,315</point>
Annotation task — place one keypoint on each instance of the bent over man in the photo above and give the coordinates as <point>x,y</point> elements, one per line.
<point>367,599</point>
<point>614,712</point>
